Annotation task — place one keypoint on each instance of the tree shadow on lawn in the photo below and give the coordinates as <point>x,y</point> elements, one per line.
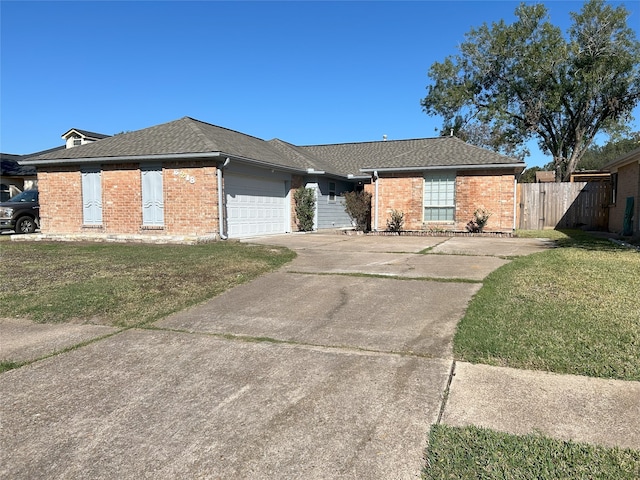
<point>586,240</point>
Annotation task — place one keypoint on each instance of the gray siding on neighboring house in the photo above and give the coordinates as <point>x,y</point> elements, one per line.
<point>331,213</point>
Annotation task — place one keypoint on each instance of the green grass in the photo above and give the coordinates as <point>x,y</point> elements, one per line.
<point>123,284</point>
<point>6,365</point>
<point>477,453</point>
<point>572,309</point>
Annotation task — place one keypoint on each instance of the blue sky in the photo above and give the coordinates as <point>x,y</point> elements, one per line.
<point>305,72</point>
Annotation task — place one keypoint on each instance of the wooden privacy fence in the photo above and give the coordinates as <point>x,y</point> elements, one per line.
<point>564,205</point>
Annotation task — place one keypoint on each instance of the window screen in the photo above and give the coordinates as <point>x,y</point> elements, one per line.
<point>439,197</point>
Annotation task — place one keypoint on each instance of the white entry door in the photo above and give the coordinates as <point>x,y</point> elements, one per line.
<point>255,206</point>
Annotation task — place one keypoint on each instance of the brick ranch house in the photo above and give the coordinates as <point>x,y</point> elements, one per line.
<point>187,180</point>
<point>624,211</point>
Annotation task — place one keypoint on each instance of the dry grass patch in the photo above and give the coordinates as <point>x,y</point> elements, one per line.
<point>123,284</point>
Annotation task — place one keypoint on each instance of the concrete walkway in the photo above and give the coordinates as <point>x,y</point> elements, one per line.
<point>567,407</point>
<point>334,366</point>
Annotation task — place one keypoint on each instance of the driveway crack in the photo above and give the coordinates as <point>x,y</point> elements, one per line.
<point>445,395</point>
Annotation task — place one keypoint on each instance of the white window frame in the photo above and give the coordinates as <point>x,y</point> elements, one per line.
<point>439,199</point>
<point>331,197</point>
<point>91,196</point>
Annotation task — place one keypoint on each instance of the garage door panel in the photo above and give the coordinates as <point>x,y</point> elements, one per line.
<point>255,206</point>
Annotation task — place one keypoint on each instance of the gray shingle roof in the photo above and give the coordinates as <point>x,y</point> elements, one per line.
<point>190,136</point>
<point>9,166</point>
<point>177,137</point>
<point>183,136</point>
<point>300,157</point>
<point>405,154</point>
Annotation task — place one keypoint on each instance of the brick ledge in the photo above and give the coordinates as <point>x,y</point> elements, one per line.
<point>426,233</point>
<point>113,238</point>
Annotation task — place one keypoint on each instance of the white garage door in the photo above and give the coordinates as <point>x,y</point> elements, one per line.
<point>255,206</point>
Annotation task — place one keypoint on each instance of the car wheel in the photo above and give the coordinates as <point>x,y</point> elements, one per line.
<point>25,225</point>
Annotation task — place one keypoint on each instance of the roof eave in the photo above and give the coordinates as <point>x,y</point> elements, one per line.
<point>122,159</point>
<point>159,158</point>
<point>477,166</point>
<point>630,156</point>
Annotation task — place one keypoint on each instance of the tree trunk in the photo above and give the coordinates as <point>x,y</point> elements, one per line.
<point>558,163</point>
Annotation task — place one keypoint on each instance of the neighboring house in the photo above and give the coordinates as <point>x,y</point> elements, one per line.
<point>188,178</point>
<point>624,211</point>
<point>590,176</point>
<point>14,178</point>
<point>544,176</point>
<point>76,137</point>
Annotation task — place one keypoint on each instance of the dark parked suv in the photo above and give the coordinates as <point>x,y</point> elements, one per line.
<point>21,213</point>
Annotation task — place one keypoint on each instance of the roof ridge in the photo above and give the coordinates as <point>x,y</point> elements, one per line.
<point>190,122</point>
<point>223,128</point>
<point>372,142</point>
<point>292,149</point>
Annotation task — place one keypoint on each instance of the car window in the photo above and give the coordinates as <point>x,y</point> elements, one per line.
<point>26,196</point>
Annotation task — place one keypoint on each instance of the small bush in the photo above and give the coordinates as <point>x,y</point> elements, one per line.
<point>480,219</point>
<point>305,200</point>
<point>358,207</point>
<point>396,221</point>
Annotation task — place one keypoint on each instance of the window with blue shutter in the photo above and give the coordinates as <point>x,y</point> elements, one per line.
<point>91,196</point>
<point>152,197</point>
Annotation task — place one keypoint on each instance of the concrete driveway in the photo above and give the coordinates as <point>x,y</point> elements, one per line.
<point>333,367</point>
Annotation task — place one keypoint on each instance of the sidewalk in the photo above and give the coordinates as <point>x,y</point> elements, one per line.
<point>566,407</point>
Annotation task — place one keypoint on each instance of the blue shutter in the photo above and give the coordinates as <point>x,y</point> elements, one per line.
<point>91,197</point>
<point>152,197</point>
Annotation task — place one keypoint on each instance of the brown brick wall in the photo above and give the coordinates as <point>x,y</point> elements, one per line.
<point>121,198</point>
<point>628,186</point>
<point>474,189</point>
<point>190,200</point>
<point>488,190</point>
<point>60,199</point>
<point>402,192</point>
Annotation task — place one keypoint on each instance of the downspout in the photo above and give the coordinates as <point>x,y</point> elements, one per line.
<point>515,202</point>
<point>375,205</point>
<point>221,208</point>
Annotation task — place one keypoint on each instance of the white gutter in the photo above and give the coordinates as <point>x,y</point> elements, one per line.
<point>120,159</point>
<point>161,157</point>
<point>351,176</point>
<point>375,208</point>
<point>221,210</point>
<point>515,201</point>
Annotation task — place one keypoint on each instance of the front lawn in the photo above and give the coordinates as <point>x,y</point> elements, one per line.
<point>122,284</point>
<point>573,309</point>
<point>473,452</point>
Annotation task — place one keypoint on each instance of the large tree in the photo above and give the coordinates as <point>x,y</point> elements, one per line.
<point>598,156</point>
<point>526,80</point>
